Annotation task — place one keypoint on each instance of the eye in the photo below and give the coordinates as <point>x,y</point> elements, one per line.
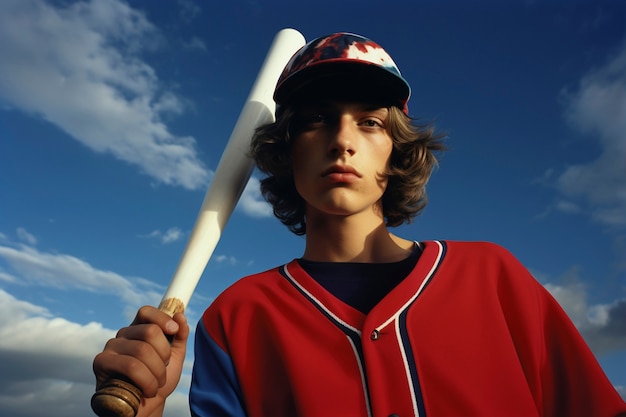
<point>374,118</point>
<point>316,118</point>
<point>372,122</point>
<point>311,120</point>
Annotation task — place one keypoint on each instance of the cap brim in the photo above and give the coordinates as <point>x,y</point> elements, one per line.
<point>346,81</point>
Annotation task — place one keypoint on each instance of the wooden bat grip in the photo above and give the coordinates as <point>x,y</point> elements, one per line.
<point>119,398</point>
<point>116,398</point>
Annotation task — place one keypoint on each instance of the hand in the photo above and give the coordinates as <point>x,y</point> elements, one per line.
<point>142,354</point>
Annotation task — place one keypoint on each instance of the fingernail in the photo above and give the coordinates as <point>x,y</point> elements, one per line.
<point>171,326</point>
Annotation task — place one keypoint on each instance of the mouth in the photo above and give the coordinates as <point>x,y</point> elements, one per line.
<point>341,169</point>
<point>341,173</point>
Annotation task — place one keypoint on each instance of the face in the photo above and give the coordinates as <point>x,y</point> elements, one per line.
<point>340,154</point>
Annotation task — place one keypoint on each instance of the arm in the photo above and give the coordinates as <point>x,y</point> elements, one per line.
<point>215,389</point>
<point>571,367</point>
<point>142,354</point>
<point>562,371</point>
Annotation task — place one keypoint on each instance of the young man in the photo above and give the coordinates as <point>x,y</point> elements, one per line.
<point>366,323</point>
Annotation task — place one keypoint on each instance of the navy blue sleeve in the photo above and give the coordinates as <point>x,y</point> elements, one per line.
<point>215,390</point>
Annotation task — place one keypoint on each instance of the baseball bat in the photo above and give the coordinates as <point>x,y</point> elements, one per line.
<point>119,398</point>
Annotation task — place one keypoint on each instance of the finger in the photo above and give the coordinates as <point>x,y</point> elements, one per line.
<point>108,365</point>
<point>141,339</point>
<point>139,359</point>
<point>150,314</point>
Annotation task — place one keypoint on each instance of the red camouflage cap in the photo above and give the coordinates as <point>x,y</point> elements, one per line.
<point>345,65</point>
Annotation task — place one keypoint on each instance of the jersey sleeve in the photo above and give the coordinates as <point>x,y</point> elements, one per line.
<point>574,383</point>
<point>566,376</point>
<point>215,390</point>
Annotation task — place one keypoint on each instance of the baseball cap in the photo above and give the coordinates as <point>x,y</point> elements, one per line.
<point>342,65</point>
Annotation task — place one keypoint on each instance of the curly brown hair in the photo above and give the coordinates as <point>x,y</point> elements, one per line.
<point>411,164</point>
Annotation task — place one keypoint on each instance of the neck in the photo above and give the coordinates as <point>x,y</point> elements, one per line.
<point>350,239</point>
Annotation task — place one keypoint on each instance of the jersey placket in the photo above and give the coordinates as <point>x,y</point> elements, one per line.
<point>383,350</point>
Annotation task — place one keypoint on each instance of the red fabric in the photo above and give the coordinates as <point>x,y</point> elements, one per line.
<point>468,333</point>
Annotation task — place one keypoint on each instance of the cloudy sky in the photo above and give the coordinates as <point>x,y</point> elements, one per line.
<point>113,116</point>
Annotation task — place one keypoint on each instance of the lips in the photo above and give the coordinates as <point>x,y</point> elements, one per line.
<point>341,173</point>
<point>341,169</point>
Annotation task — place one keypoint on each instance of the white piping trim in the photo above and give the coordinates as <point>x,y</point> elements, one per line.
<point>354,349</point>
<point>362,371</point>
<point>319,303</point>
<point>419,290</point>
<point>406,369</point>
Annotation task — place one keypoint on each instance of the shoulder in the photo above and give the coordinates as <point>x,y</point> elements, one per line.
<point>492,272</point>
<point>483,262</point>
<point>249,287</point>
<point>248,296</point>
<point>250,304</point>
<point>478,253</point>
<point>482,248</point>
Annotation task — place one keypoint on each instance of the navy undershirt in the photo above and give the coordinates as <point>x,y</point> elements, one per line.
<point>360,285</point>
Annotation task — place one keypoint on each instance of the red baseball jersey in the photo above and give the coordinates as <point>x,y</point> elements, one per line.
<point>469,332</point>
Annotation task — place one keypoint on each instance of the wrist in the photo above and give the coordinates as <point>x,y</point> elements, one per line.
<point>151,408</point>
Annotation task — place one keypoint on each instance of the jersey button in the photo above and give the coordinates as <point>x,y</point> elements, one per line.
<point>375,335</point>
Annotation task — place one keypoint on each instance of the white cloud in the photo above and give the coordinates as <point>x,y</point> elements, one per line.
<point>225,259</point>
<point>567,207</point>
<point>602,325</point>
<point>172,234</point>
<point>47,359</point>
<point>79,67</point>
<point>7,277</point>
<point>60,337</point>
<point>45,363</point>
<point>26,237</point>
<point>53,270</point>
<point>252,202</point>
<point>195,44</point>
<point>44,397</point>
<point>598,109</point>
<point>188,10</point>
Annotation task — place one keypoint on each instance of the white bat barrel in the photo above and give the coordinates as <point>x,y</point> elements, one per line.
<point>231,175</point>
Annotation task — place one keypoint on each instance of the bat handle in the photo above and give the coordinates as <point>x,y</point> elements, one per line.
<point>116,398</point>
<point>120,398</point>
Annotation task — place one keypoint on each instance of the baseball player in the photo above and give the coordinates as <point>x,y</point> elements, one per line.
<point>365,323</point>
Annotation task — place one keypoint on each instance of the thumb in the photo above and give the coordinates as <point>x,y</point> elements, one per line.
<point>180,337</point>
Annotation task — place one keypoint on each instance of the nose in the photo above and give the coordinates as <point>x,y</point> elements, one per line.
<point>343,138</point>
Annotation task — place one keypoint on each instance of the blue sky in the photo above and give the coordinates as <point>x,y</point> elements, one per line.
<point>113,116</point>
